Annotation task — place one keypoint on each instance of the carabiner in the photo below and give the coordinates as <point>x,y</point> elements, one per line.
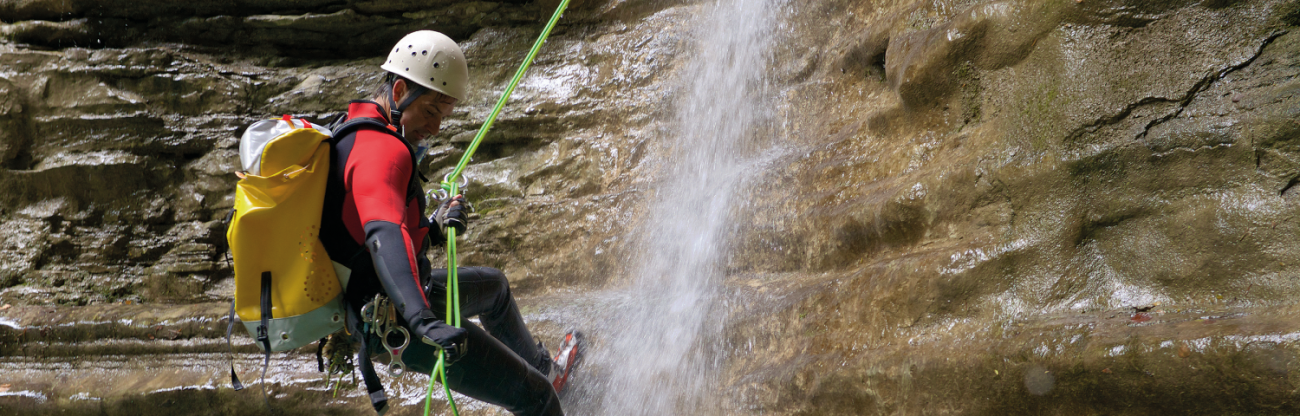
<point>368,313</point>
<point>438,194</point>
<point>446,182</point>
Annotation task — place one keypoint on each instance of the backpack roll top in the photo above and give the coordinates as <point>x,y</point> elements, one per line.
<point>256,142</point>
<point>287,292</point>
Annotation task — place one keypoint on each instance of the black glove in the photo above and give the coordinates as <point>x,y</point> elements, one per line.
<point>435,332</point>
<point>448,215</point>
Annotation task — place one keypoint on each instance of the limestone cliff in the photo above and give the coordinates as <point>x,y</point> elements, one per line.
<point>974,207</point>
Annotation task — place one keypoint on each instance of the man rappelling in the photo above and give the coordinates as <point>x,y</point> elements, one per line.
<point>373,218</point>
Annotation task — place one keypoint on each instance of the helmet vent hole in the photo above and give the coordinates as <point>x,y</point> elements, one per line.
<point>444,83</point>
<point>408,69</point>
<point>424,52</point>
<point>410,46</point>
<point>430,79</point>
<point>412,53</point>
<point>435,64</point>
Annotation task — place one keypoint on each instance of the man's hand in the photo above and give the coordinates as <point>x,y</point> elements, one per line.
<point>435,332</point>
<point>452,214</point>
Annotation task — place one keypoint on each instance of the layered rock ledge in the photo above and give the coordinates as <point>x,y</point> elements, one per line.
<point>966,206</point>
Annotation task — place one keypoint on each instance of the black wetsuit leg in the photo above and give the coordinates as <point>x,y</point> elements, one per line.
<point>485,292</point>
<point>491,371</point>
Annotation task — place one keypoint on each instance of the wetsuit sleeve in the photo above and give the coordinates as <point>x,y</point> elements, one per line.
<point>377,173</point>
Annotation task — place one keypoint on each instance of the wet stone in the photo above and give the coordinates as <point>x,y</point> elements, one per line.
<point>958,206</point>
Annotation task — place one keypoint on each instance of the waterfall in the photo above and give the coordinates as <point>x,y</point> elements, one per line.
<point>666,353</point>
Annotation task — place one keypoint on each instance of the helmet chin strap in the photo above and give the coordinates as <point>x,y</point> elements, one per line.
<point>395,114</point>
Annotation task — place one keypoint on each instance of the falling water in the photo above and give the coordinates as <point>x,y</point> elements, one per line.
<point>664,357</point>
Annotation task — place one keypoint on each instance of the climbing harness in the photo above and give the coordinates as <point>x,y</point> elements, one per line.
<point>452,188</point>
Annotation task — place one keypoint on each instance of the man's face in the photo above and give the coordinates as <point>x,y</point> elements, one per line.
<point>423,118</point>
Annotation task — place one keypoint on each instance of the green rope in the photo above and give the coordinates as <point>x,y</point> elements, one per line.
<point>482,131</point>
<point>439,369</point>
<point>449,184</point>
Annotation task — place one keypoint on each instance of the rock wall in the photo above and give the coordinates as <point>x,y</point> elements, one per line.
<point>981,207</point>
<point>119,152</point>
<point>1060,207</point>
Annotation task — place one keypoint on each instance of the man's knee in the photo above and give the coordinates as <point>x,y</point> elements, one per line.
<point>493,278</point>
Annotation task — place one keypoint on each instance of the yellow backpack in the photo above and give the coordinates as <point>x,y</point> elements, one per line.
<point>287,291</point>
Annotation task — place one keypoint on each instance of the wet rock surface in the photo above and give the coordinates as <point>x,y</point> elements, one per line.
<point>974,207</point>
<point>1031,172</point>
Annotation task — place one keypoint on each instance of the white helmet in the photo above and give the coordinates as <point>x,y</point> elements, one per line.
<point>432,60</point>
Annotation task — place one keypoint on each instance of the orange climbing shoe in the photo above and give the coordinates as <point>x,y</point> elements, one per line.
<point>566,359</point>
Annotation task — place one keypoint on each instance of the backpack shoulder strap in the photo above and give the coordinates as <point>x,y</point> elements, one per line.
<point>344,128</point>
<point>351,126</point>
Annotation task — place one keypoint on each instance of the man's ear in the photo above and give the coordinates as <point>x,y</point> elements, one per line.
<point>399,90</point>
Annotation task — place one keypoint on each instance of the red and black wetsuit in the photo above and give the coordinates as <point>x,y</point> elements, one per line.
<point>374,204</point>
<point>373,223</point>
